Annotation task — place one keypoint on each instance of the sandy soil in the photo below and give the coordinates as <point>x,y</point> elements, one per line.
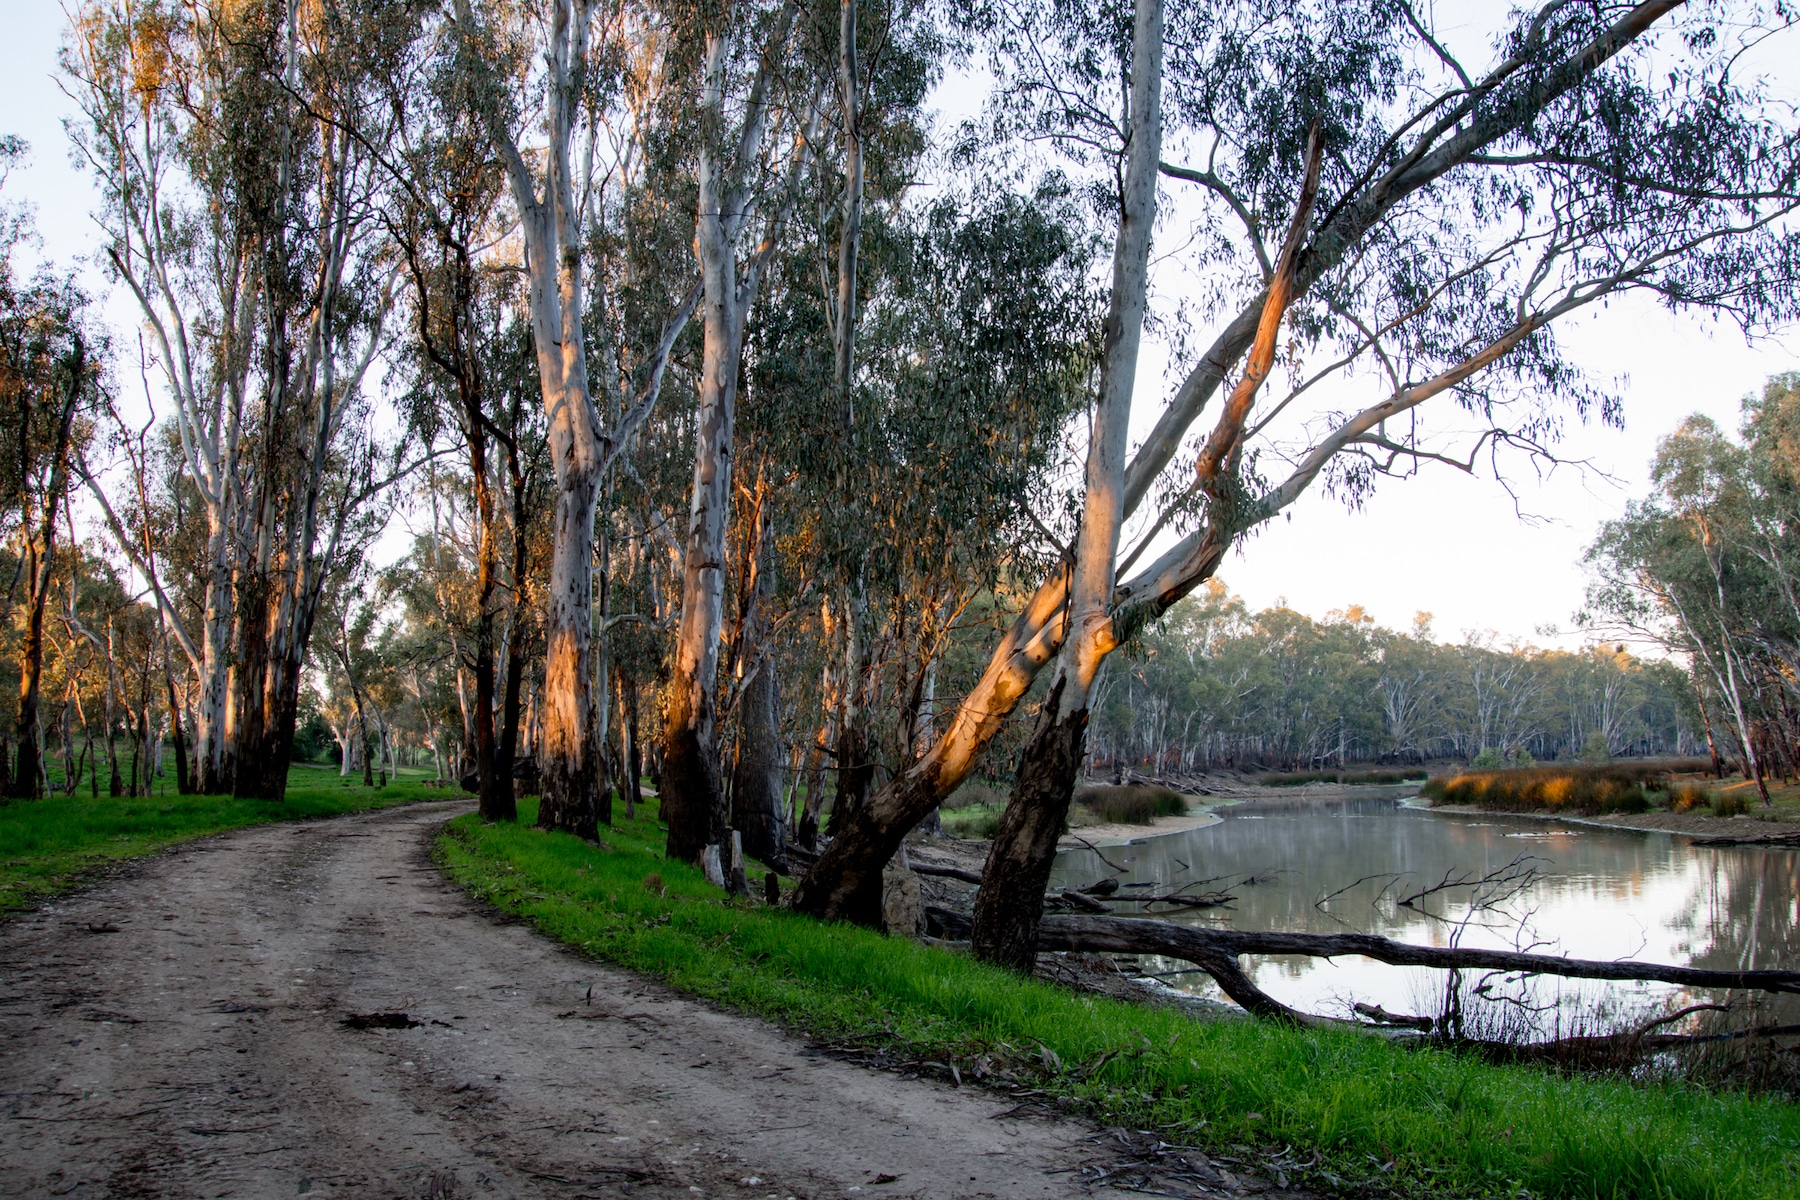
<point>179,1031</point>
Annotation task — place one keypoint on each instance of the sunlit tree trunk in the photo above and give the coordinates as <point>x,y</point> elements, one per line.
<point>1010,901</point>
<point>692,790</point>
<point>693,801</point>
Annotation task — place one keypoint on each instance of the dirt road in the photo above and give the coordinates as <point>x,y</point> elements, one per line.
<point>179,1031</point>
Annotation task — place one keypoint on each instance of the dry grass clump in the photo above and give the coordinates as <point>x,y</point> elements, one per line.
<point>1589,790</point>
<point>1131,804</point>
<point>1689,797</point>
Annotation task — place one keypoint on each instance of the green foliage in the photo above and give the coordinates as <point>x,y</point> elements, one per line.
<point>974,820</point>
<point>1424,1122</point>
<point>48,846</point>
<point>1595,749</point>
<point>974,791</point>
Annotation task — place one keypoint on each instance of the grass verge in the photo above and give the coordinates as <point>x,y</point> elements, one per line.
<point>51,845</point>
<point>1381,1118</point>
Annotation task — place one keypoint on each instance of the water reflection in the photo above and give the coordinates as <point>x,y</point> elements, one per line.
<point>1324,866</point>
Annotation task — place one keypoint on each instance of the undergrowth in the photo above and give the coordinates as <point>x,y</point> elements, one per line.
<point>1381,1118</point>
<point>1132,803</point>
<point>48,846</point>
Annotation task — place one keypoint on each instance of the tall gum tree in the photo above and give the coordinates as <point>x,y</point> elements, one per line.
<point>555,209</point>
<point>1018,864</point>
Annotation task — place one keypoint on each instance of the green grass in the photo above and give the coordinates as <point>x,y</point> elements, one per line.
<point>1416,1122</point>
<point>48,846</point>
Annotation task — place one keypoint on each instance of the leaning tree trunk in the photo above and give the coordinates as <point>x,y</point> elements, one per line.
<point>1011,900</point>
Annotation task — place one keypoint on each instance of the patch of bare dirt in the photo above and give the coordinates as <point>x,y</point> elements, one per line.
<point>312,1010</point>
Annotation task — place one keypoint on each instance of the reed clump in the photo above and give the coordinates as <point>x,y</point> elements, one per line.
<point>1131,804</point>
<point>1589,790</point>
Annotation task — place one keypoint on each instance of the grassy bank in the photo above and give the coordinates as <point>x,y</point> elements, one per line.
<point>1422,1123</point>
<point>48,846</point>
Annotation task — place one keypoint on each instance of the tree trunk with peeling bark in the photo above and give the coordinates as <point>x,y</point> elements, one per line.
<point>691,786</point>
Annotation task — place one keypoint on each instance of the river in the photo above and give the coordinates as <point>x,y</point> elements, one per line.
<point>1345,865</point>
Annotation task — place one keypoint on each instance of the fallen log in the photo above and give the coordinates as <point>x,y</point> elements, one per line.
<point>1216,952</point>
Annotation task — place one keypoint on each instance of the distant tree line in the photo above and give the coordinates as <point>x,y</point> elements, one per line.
<point>1216,685</point>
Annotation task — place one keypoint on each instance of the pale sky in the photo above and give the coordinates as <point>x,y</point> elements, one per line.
<point>1441,542</point>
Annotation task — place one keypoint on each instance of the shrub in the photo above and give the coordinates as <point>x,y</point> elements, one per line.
<point>1686,797</point>
<point>1131,804</point>
<point>1387,775</point>
<point>1595,789</point>
<point>1595,749</point>
<point>1730,804</point>
<point>1298,778</point>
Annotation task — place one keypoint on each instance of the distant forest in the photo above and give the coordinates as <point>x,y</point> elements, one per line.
<point>1215,685</point>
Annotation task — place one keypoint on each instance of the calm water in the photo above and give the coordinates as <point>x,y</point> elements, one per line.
<point>1586,893</point>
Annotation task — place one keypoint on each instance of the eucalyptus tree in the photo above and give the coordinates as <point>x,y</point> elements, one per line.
<point>445,226</point>
<point>759,117</point>
<point>50,377</point>
<point>1607,149</point>
<point>579,72</point>
<point>1704,568</point>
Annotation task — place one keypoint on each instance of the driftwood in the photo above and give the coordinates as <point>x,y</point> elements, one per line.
<point>1216,952</point>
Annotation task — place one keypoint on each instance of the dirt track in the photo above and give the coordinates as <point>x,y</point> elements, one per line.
<point>178,1031</point>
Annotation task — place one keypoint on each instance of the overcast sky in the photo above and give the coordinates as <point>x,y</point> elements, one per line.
<point>1442,542</point>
